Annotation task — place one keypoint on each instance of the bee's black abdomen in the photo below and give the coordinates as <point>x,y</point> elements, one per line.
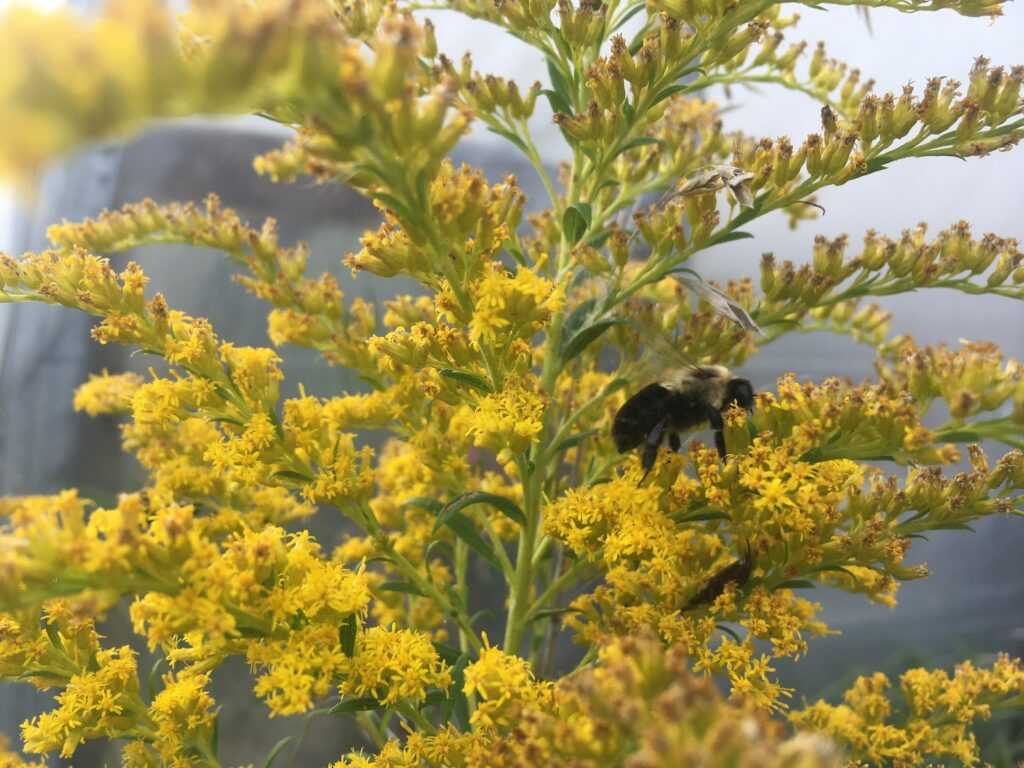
<point>639,415</point>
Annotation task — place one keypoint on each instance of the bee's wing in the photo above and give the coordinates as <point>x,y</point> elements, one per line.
<point>721,303</point>
<point>660,352</point>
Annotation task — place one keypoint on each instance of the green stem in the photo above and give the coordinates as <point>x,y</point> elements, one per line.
<point>412,573</point>
<point>413,715</point>
<point>498,545</point>
<point>744,77</point>
<point>556,586</point>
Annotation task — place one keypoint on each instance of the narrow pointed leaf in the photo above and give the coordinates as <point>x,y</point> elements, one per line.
<point>272,755</point>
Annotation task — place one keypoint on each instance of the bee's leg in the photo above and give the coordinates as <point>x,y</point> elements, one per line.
<point>715,419</point>
<point>651,448</point>
<point>674,441</point>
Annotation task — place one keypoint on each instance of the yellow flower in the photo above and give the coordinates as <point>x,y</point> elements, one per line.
<point>107,393</point>
<point>508,421</point>
<point>12,759</point>
<point>298,668</point>
<point>393,665</point>
<point>97,702</point>
<point>184,714</point>
<point>940,708</point>
<point>510,306</point>
<point>504,683</point>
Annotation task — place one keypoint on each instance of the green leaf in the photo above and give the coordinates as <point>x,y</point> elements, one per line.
<point>628,15</point>
<point>916,516</point>
<point>463,527</point>
<point>557,102</point>
<point>48,674</point>
<point>396,205</point>
<point>272,755</point>
<point>702,516</point>
<point>502,504</point>
<point>957,155</point>
<point>560,87</point>
<point>951,527</point>
<point>837,568</point>
<point>449,653</point>
<point>614,386</point>
<point>154,676</point>
<point>433,506</point>
<point>729,632</point>
<point>587,336</point>
<point>639,141</point>
<point>737,235</point>
<point>355,704</point>
<point>599,238</point>
<point>795,584</point>
<point>422,185</point>
<point>508,136</point>
<point>455,598</point>
<point>469,379</point>
<point>370,381</point>
<point>484,614</point>
<point>400,586</point>
<point>684,271</point>
<point>576,221</point>
<point>694,70</point>
<point>53,632</point>
<point>439,544</point>
<point>287,474</point>
<point>435,696</point>
<point>456,707</point>
<point>578,317</point>
<point>668,90</point>
<point>574,439</point>
<point>347,636</point>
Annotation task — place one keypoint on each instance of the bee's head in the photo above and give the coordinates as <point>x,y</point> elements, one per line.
<point>740,392</point>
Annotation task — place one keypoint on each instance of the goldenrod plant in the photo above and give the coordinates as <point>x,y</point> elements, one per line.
<point>498,383</point>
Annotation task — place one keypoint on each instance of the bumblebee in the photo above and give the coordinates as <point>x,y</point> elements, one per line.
<point>684,400</point>
<point>738,572</point>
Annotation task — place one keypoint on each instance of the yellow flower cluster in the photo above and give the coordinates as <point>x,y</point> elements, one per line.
<point>107,393</point>
<point>508,307</point>
<point>504,684</point>
<point>469,222</point>
<point>639,706</point>
<point>934,725</point>
<point>509,421</point>
<point>393,665</point>
<point>497,395</point>
<point>10,759</point>
<point>183,714</point>
<point>260,580</point>
<point>100,696</point>
<point>299,666</point>
<point>834,419</point>
<point>970,381</point>
<point>101,700</point>
<point>308,312</point>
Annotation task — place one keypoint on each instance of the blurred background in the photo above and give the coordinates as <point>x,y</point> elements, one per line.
<point>971,607</point>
